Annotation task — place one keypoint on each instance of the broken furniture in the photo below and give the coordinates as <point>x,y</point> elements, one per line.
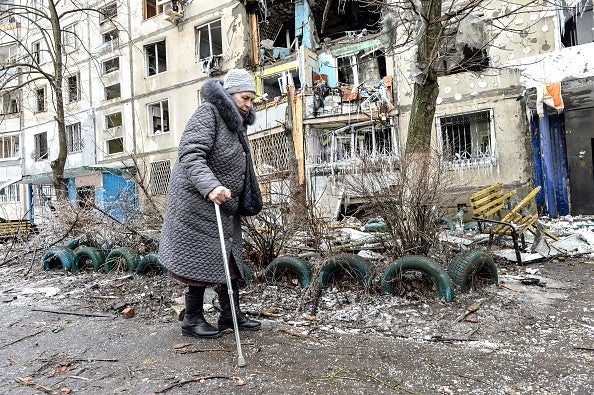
<point>489,210</point>
<point>19,228</point>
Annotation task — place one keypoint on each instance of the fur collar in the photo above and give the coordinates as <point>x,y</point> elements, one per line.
<point>212,91</point>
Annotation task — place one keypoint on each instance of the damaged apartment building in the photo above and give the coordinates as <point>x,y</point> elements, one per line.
<point>335,84</point>
<point>353,91</point>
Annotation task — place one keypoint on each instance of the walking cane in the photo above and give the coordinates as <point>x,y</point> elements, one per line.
<point>240,359</point>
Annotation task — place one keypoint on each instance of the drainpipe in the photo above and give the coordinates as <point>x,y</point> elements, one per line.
<point>547,164</point>
<point>30,197</point>
<point>131,63</point>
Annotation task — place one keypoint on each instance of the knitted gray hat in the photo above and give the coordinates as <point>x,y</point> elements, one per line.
<point>239,80</point>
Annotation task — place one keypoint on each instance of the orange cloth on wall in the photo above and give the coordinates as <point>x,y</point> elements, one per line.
<point>552,95</point>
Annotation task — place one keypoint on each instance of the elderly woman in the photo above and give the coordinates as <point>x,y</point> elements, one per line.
<point>210,168</point>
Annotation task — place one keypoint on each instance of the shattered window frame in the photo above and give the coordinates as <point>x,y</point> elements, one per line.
<point>349,145</point>
<point>578,24</point>
<point>458,135</point>
<point>158,113</point>
<point>209,40</point>
<point>463,51</point>
<point>155,58</point>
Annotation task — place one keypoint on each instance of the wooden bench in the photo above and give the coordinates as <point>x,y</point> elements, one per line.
<point>11,229</point>
<point>490,210</point>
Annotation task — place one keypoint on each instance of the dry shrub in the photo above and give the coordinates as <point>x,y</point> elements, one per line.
<point>408,195</point>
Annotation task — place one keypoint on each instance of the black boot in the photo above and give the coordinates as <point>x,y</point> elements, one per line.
<point>226,318</point>
<point>194,323</point>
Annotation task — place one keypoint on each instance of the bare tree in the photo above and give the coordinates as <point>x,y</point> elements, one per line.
<point>42,22</point>
<point>447,37</point>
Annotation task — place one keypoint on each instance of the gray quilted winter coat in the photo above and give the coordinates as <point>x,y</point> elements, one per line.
<point>210,154</point>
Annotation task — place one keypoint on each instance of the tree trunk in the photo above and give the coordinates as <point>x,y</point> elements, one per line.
<point>426,87</point>
<point>59,163</point>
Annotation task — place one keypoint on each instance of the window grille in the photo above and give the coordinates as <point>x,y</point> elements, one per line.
<point>159,179</point>
<point>11,193</point>
<point>467,139</point>
<point>270,154</point>
<point>74,139</point>
<point>43,195</point>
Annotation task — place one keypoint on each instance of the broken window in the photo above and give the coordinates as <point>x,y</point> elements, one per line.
<point>111,65</point>
<point>112,91</point>
<point>276,85</point>
<point>464,47</point>
<point>209,41</point>
<point>578,25</point>
<point>108,12</point>
<point>150,8</point>
<point>111,37</point>
<point>74,142</point>
<point>113,120</point>
<point>158,117</point>
<point>114,146</point>
<point>36,51</point>
<point>467,139</point>
<point>10,103</point>
<point>276,27</point>
<point>73,88</point>
<point>156,58</point>
<point>40,99</point>
<point>370,139</point>
<point>9,146</point>
<point>159,179</point>
<point>335,18</point>
<point>40,146</point>
<point>70,37</point>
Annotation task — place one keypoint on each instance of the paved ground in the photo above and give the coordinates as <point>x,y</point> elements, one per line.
<point>534,334</point>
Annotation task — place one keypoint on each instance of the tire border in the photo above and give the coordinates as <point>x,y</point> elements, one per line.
<point>63,254</point>
<point>350,262</point>
<point>150,262</point>
<point>465,265</point>
<point>422,264</point>
<point>94,254</point>
<point>128,254</point>
<point>300,267</point>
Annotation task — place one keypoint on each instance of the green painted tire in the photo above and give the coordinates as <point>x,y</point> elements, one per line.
<point>351,264</point>
<point>128,255</point>
<point>58,256</point>
<point>84,253</point>
<point>421,264</point>
<point>150,263</point>
<point>469,268</point>
<point>288,264</point>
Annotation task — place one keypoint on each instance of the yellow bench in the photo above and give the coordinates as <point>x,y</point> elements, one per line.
<point>9,229</point>
<point>490,212</point>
